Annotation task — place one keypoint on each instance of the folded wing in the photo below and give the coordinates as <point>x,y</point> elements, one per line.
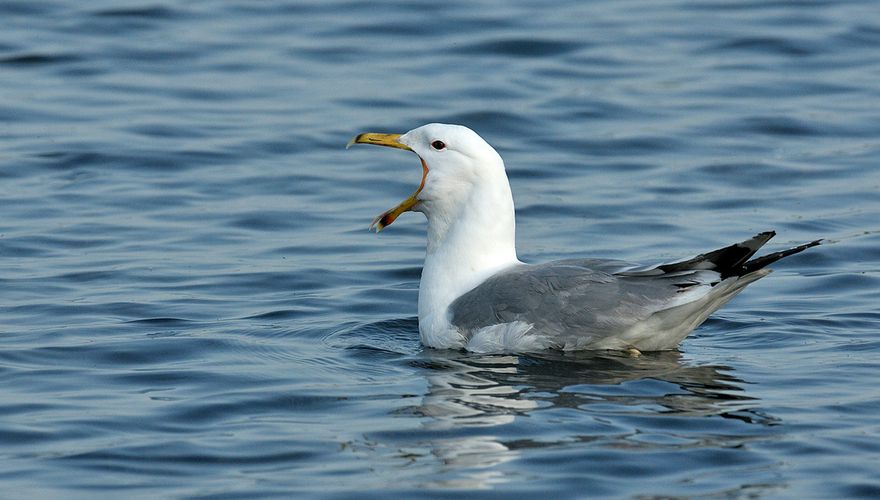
<point>579,302</point>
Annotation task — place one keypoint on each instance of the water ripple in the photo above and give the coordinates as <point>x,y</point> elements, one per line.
<point>192,305</point>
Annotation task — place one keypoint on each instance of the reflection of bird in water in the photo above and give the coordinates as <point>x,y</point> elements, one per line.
<point>478,408</point>
<point>491,389</point>
<point>468,391</point>
<point>480,411</point>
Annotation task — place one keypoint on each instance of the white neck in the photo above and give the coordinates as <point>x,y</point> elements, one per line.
<point>467,243</point>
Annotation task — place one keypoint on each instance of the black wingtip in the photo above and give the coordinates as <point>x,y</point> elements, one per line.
<point>728,261</point>
<point>765,260</point>
<point>734,260</point>
<point>766,235</point>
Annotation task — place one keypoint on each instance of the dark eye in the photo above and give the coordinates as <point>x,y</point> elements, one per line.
<point>438,145</point>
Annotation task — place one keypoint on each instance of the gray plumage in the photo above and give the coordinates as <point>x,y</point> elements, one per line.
<point>579,302</point>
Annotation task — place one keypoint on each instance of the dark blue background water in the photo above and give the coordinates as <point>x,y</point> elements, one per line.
<point>191,304</point>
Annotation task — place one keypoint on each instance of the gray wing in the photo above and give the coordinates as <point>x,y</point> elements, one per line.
<point>601,298</point>
<point>585,296</point>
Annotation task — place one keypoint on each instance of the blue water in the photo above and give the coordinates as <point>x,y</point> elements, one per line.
<point>191,305</point>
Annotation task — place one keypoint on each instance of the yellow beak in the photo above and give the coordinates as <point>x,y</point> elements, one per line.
<point>391,141</point>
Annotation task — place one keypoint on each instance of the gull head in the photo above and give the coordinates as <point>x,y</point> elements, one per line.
<point>456,163</point>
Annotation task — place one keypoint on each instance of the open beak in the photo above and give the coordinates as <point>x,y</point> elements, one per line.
<point>391,141</point>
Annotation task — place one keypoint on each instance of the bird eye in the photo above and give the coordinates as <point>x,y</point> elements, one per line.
<point>438,145</point>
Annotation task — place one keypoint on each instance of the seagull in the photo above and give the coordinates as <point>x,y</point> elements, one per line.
<point>475,294</point>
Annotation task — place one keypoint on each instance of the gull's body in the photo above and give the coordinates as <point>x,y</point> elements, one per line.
<point>477,295</point>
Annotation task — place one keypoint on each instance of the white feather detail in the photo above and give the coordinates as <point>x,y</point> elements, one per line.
<point>516,336</point>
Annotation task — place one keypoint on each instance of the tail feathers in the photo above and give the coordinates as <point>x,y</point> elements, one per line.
<point>765,260</point>
<point>727,260</point>
<point>734,260</point>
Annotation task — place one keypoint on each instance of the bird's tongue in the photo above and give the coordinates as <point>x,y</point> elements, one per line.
<point>389,216</point>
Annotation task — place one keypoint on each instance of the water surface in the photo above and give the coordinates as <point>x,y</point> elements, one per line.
<point>191,305</point>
